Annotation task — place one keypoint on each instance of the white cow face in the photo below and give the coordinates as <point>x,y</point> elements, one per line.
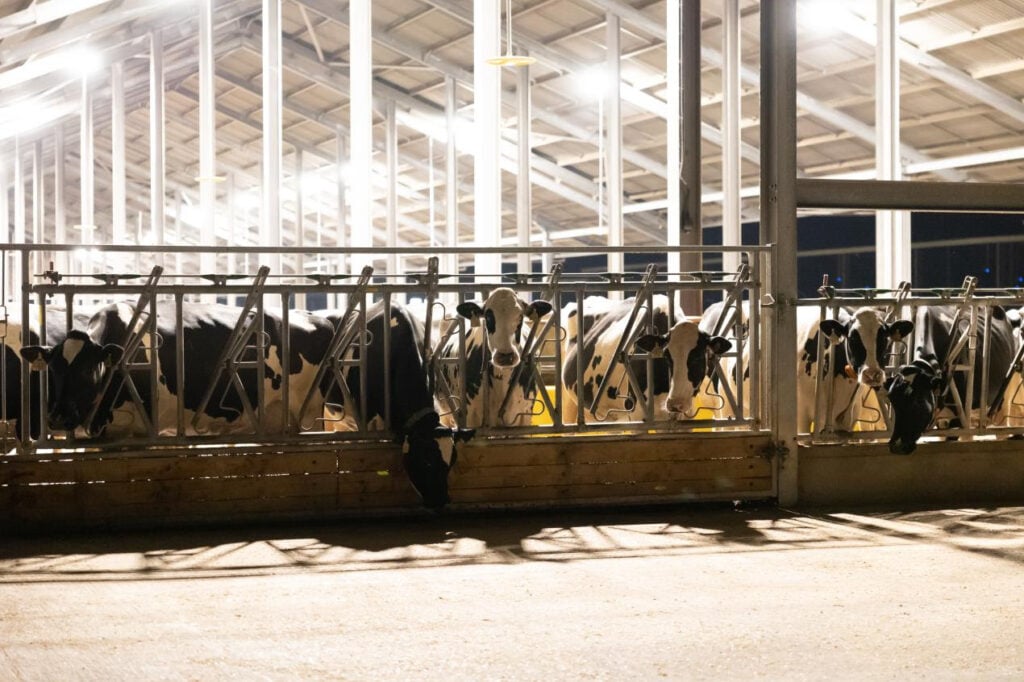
<point>687,350</point>
<point>867,341</point>
<point>502,316</point>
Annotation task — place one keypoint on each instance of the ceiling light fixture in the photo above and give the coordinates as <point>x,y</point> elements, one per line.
<point>509,58</point>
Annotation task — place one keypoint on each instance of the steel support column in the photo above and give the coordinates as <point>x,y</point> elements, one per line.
<point>487,114</point>
<point>731,156</point>
<point>613,135</point>
<point>60,235</point>
<point>118,193</point>
<point>778,223</point>
<point>270,224</point>
<point>361,126</point>
<point>157,198</point>
<point>690,178</point>
<point>450,265</point>
<point>207,138</point>
<point>88,168</point>
<point>892,228</point>
<point>524,209</point>
<point>673,190</point>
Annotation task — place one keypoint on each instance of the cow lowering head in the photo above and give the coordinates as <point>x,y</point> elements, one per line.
<point>76,366</point>
<point>502,316</point>
<point>687,349</point>
<point>428,453</point>
<point>915,393</point>
<point>867,337</point>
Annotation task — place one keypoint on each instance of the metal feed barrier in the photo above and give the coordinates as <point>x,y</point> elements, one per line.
<point>973,310</point>
<point>543,352</point>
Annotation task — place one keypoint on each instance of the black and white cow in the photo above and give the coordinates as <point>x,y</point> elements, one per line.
<point>918,391</point>
<point>680,364</point>
<point>78,364</point>
<point>56,330</point>
<point>429,449</point>
<point>497,325</point>
<point>861,340</point>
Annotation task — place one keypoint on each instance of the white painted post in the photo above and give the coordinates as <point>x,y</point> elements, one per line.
<point>487,113</point>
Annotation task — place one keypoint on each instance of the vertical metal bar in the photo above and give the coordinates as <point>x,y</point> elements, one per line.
<point>88,168</point>
<point>179,360</point>
<point>892,228</point>
<point>342,235</point>
<point>690,179</point>
<point>451,173</point>
<point>286,362</point>
<point>20,274</point>
<point>300,229</point>
<point>154,375</point>
<point>363,378</point>
<point>391,146</point>
<point>118,199</point>
<point>580,297</point>
<point>157,198</point>
<point>59,211</point>
<point>388,424</point>
<point>487,112</point>
<point>613,134</point>
<point>524,217</point>
<point>270,225</point>
<point>731,161</point>
<point>986,364</point>
<point>26,339</point>
<point>778,221</point>
<point>38,194</point>
<point>673,170</point>
<point>361,126</point>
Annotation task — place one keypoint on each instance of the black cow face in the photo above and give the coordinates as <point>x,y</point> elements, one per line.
<point>76,367</point>
<point>914,393</point>
<point>867,342</point>
<point>428,453</point>
<point>686,348</point>
<point>502,315</point>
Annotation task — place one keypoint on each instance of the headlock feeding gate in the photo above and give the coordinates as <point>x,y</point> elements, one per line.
<point>252,412</point>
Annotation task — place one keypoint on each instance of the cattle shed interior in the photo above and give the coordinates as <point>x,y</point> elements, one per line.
<point>781,159</point>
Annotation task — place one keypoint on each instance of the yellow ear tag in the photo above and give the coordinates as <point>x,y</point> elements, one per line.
<point>850,374</point>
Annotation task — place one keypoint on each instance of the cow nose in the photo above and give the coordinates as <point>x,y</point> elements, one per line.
<point>505,358</point>
<point>872,376</point>
<point>676,405</point>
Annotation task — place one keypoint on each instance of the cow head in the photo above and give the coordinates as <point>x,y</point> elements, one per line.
<point>76,366</point>
<point>687,349</point>
<point>428,453</point>
<point>915,393</point>
<point>502,316</point>
<point>867,337</point>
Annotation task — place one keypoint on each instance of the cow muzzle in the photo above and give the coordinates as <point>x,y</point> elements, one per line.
<point>871,376</point>
<point>505,358</point>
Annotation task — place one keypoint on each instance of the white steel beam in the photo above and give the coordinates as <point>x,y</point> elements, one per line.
<point>487,115</point>
<point>731,160</point>
<point>270,222</point>
<point>524,208</point>
<point>673,139</point>
<point>892,228</point>
<point>613,134</point>
<point>88,167</point>
<point>361,125</point>
<point>207,138</point>
<point>451,165</point>
<point>118,197</point>
<point>39,13</point>
<point>157,143</point>
<point>391,202</point>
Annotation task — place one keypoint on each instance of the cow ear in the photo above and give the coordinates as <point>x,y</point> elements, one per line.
<point>538,309</point>
<point>112,354</point>
<point>833,328</point>
<point>719,344</point>
<point>469,309</point>
<point>900,329</point>
<point>37,356</point>
<point>653,344</point>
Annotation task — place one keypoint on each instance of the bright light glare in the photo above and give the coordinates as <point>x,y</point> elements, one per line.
<point>84,60</point>
<point>819,16</point>
<point>595,82</point>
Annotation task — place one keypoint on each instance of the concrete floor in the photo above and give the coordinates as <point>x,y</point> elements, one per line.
<point>676,593</point>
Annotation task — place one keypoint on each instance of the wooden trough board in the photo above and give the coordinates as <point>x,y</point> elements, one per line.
<point>180,486</point>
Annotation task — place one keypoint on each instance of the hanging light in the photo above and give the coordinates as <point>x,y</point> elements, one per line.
<point>510,59</point>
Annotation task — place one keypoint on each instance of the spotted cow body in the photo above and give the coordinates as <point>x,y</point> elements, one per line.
<point>860,342</point>
<point>679,365</point>
<point>493,351</point>
<point>404,402</point>
<point>918,393</point>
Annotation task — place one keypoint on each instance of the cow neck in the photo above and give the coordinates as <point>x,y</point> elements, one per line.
<point>415,418</point>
